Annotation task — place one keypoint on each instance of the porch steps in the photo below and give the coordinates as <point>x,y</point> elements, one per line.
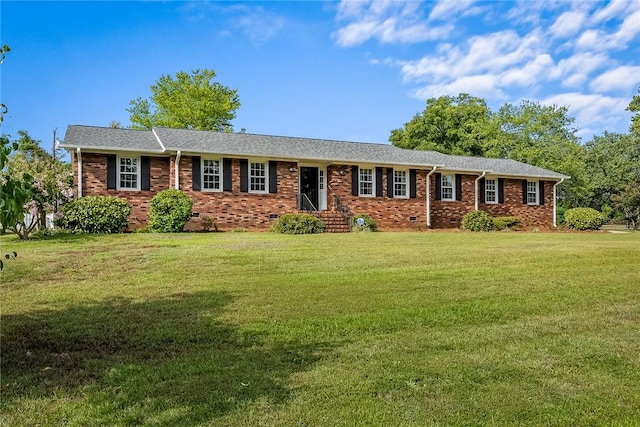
<point>334,221</point>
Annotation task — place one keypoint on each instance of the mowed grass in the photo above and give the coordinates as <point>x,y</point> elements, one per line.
<point>379,329</point>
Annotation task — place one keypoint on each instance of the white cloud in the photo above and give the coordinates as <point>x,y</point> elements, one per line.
<point>386,20</point>
<point>575,70</point>
<point>568,24</point>
<point>258,24</point>
<point>623,78</point>
<point>593,111</point>
<point>614,9</point>
<point>484,85</point>
<point>597,39</point>
<point>446,9</point>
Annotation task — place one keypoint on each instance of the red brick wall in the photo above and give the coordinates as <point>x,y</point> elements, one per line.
<point>540,215</point>
<point>233,209</point>
<point>390,213</point>
<point>94,182</point>
<point>230,210</point>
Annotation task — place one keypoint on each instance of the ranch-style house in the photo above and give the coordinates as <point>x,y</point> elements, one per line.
<point>247,180</point>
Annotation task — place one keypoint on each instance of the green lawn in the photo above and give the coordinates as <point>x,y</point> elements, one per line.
<point>370,329</point>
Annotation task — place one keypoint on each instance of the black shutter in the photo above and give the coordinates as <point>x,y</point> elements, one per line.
<point>438,186</point>
<point>482,188</point>
<point>273,176</point>
<point>111,172</point>
<point>390,182</point>
<point>500,190</point>
<point>244,175</point>
<point>227,169</point>
<point>379,182</point>
<point>458,186</point>
<point>145,173</point>
<point>541,195</point>
<point>354,181</point>
<point>412,183</point>
<point>196,175</point>
<point>524,191</point>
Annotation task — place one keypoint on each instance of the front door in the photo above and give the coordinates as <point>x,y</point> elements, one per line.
<point>309,184</point>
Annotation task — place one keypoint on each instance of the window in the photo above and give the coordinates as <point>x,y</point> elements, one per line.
<point>320,179</point>
<point>366,182</point>
<point>399,183</point>
<point>258,177</point>
<point>532,192</point>
<point>211,175</point>
<point>129,173</point>
<point>490,191</point>
<point>447,186</point>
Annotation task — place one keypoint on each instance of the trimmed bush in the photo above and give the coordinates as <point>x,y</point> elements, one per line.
<point>583,219</point>
<point>169,211</point>
<point>95,214</point>
<point>363,222</point>
<point>505,222</point>
<point>298,224</point>
<point>477,221</point>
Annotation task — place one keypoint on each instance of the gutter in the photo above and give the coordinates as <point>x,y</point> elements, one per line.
<point>79,156</point>
<point>176,171</point>
<point>476,187</point>
<point>429,195</point>
<point>555,221</point>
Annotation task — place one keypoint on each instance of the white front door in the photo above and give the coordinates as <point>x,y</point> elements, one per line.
<point>322,188</point>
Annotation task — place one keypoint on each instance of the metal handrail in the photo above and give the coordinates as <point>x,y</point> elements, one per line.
<point>342,208</point>
<point>304,204</point>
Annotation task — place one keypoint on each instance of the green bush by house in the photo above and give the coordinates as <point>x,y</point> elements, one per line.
<point>505,222</point>
<point>169,211</point>
<point>298,224</point>
<point>583,219</point>
<point>477,221</point>
<point>95,214</point>
<point>363,222</point>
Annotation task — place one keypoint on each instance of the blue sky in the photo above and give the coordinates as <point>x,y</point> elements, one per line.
<point>351,70</point>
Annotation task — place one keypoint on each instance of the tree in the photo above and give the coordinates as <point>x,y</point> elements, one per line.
<point>531,133</point>
<point>51,182</point>
<point>611,161</point>
<point>188,102</point>
<point>15,191</point>
<point>634,106</point>
<point>460,125</point>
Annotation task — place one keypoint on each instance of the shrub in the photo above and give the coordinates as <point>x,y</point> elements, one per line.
<point>169,211</point>
<point>95,214</point>
<point>505,222</point>
<point>208,223</point>
<point>298,224</point>
<point>363,222</point>
<point>583,219</point>
<point>477,221</point>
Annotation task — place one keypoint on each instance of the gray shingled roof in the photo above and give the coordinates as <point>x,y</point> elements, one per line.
<point>101,138</point>
<point>287,148</point>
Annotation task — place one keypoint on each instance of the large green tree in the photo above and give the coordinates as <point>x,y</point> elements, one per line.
<point>460,125</point>
<point>611,163</point>
<point>187,101</point>
<point>543,136</point>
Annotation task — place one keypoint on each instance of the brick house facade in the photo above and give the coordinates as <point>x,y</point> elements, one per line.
<point>244,180</point>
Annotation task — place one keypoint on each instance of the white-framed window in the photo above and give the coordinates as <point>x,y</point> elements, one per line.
<point>211,174</point>
<point>400,183</point>
<point>447,187</point>
<point>258,177</point>
<point>128,173</point>
<point>532,192</point>
<point>491,191</point>
<point>320,179</point>
<point>366,182</point>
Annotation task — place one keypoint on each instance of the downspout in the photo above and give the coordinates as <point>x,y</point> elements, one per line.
<point>478,180</point>
<point>555,221</point>
<point>176,170</point>
<point>429,195</point>
<point>79,158</point>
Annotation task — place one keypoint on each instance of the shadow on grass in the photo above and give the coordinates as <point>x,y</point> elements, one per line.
<point>168,360</point>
